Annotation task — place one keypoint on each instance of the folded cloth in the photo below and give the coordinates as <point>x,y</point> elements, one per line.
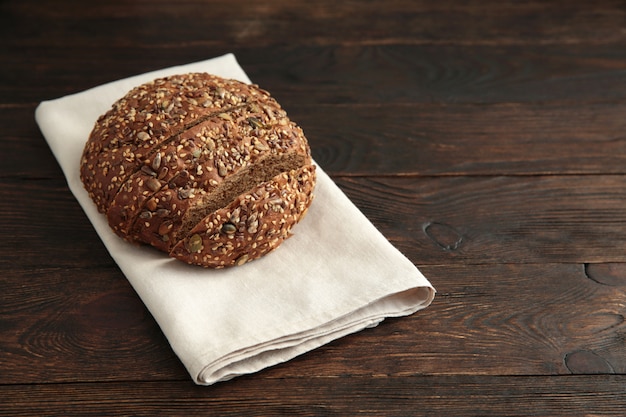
<point>337,275</point>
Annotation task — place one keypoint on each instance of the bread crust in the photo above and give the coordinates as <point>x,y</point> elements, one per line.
<point>253,225</point>
<point>178,149</point>
<point>149,115</point>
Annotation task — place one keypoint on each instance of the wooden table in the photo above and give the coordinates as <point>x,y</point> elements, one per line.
<point>486,140</point>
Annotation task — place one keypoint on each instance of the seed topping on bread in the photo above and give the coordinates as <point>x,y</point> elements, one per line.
<point>177,150</point>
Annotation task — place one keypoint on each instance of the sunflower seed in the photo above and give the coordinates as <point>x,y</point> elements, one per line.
<point>163,172</point>
<point>234,217</point>
<point>255,123</point>
<point>156,162</point>
<point>184,193</point>
<point>148,171</point>
<point>162,212</point>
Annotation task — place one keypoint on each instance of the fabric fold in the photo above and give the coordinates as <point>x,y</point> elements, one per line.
<point>337,275</point>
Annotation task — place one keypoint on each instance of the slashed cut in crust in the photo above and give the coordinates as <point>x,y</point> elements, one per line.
<point>175,159</point>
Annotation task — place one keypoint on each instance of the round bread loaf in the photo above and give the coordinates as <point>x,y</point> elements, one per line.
<point>207,169</point>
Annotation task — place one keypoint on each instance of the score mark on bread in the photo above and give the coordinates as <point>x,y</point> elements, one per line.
<point>207,169</point>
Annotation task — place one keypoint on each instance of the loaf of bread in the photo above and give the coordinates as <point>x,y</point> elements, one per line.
<point>206,169</point>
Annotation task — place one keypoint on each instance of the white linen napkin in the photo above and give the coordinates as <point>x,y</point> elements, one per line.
<point>336,275</point>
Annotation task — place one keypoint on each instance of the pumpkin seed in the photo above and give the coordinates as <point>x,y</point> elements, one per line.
<point>151,204</point>
<point>153,184</point>
<point>260,145</point>
<point>242,259</point>
<point>195,243</point>
<point>229,228</point>
<point>164,228</point>
<point>221,169</point>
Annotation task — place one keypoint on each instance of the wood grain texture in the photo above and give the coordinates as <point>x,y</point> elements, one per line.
<point>467,395</point>
<point>465,139</point>
<point>349,74</point>
<point>89,324</point>
<point>536,319</point>
<point>417,139</point>
<point>497,219</point>
<point>49,230</point>
<point>321,23</point>
<point>432,220</point>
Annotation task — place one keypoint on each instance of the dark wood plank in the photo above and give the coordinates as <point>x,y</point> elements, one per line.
<point>439,74</point>
<point>469,220</point>
<point>48,231</point>
<point>26,153</point>
<point>452,139</point>
<point>415,396</point>
<point>428,139</point>
<point>241,23</point>
<point>331,74</point>
<point>404,51</point>
<point>517,319</point>
<point>540,319</point>
<point>65,325</point>
<point>433,220</point>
